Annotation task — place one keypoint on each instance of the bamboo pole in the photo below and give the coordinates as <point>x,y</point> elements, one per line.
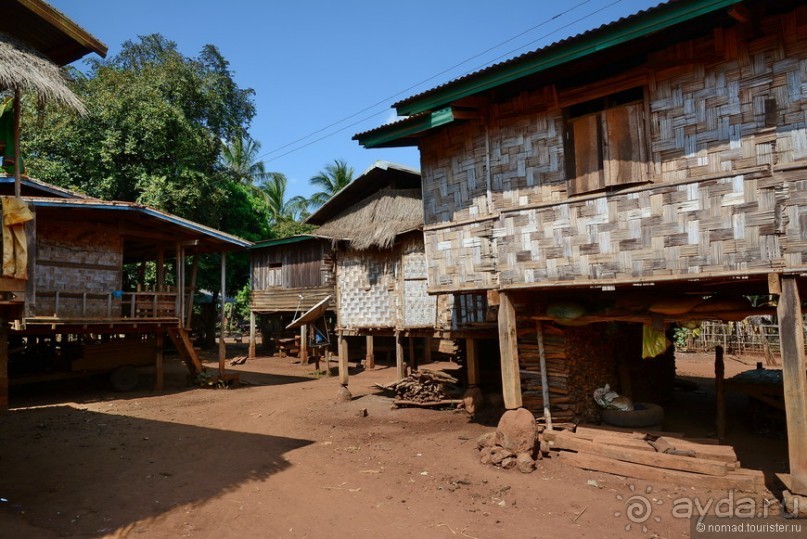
<point>539,330</point>
<point>222,345</point>
<point>720,395</point>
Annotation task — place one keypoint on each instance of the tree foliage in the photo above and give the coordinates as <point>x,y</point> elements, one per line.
<point>330,180</point>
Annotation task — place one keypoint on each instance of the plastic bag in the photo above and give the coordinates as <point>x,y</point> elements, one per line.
<point>611,400</point>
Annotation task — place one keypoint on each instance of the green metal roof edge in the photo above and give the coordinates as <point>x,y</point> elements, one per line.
<point>281,241</point>
<point>380,137</point>
<point>573,50</point>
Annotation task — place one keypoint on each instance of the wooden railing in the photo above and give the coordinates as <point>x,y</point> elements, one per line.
<point>119,304</point>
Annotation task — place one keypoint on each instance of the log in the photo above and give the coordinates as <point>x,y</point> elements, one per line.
<point>745,480</point>
<point>427,404</point>
<point>656,460</point>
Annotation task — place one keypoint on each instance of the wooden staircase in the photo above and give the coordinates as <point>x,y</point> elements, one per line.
<point>182,341</point>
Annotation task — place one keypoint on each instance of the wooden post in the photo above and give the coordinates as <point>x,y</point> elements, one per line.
<point>191,290</point>
<point>427,349</point>
<point>720,395</point>
<point>15,126</point>
<point>251,353</point>
<point>159,341</point>
<point>304,344</point>
<point>160,269</point>
<point>412,358</point>
<point>508,348</point>
<point>343,354</point>
<point>177,283</point>
<point>369,359</point>
<point>791,334</point>
<point>222,346</point>
<point>400,365</point>
<point>3,365</point>
<point>539,330</point>
<point>472,362</point>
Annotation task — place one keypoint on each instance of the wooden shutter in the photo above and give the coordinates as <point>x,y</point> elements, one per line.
<point>588,173</point>
<point>624,150</point>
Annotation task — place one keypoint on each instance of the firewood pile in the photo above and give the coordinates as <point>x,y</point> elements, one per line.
<point>577,360</point>
<point>426,388</point>
<point>663,457</point>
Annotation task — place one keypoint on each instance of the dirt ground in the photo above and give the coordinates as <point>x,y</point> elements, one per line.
<point>279,457</point>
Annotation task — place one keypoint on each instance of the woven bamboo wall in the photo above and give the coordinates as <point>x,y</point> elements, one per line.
<point>366,283</point>
<point>419,309</point>
<point>73,258</point>
<point>722,197</point>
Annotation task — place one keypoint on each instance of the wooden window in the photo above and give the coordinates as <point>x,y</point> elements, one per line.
<point>606,142</point>
<point>274,274</point>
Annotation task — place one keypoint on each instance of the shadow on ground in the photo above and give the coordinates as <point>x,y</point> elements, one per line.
<point>76,472</point>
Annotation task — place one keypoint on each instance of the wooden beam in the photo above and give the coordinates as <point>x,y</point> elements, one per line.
<point>720,395</point>
<point>159,370</point>
<point>3,365</point>
<point>16,134</point>
<point>369,358</point>
<point>304,344</point>
<point>223,320</point>
<point>400,365</point>
<point>791,334</point>
<point>472,362</point>
<point>508,348</point>
<point>343,355</point>
<point>251,353</point>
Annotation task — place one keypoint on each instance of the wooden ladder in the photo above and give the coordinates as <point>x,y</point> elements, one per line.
<point>182,341</point>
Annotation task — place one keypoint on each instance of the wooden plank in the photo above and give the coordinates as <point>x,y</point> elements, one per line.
<point>657,460</point>
<point>791,334</point>
<point>588,173</point>
<point>723,453</point>
<point>508,348</point>
<point>733,480</point>
<point>634,443</point>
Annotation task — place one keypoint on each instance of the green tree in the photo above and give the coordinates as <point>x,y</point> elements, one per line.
<point>153,134</point>
<point>280,208</point>
<point>330,180</point>
<point>239,157</point>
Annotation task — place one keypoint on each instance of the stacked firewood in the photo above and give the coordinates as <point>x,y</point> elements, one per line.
<point>424,387</point>
<point>664,457</point>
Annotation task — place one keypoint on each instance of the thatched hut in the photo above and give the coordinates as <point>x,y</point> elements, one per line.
<point>374,225</point>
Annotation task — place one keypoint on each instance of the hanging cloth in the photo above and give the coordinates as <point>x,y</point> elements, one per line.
<point>15,246</point>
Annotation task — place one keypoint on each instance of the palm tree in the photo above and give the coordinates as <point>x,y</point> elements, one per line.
<point>330,180</point>
<point>280,209</point>
<point>240,159</point>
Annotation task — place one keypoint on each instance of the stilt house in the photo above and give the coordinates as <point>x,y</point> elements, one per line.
<point>650,171</point>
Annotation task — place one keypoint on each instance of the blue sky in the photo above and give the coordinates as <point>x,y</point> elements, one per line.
<point>317,63</point>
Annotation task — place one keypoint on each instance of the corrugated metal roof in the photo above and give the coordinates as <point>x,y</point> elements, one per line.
<point>685,8</point>
<point>281,241</point>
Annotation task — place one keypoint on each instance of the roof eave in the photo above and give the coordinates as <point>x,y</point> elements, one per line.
<point>573,50</point>
<point>406,132</point>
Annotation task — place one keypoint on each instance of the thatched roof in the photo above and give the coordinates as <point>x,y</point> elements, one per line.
<point>24,69</point>
<point>376,220</point>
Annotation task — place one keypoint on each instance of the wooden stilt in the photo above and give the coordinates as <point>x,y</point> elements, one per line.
<point>191,291</point>
<point>159,370</point>
<point>304,344</point>
<point>160,269</point>
<point>222,345</point>
<point>343,355</point>
<point>412,358</point>
<point>472,362</point>
<point>400,365</point>
<point>539,330</point>
<point>720,395</point>
<point>251,353</point>
<point>3,365</point>
<point>427,350</point>
<point>369,358</point>
<point>508,348</point>
<point>15,126</point>
<point>791,334</point>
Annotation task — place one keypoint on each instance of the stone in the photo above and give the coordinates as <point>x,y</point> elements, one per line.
<point>343,395</point>
<point>517,431</point>
<point>509,462</point>
<point>794,504</point>
<point>473,400</point>
<point>525,463</point>
<point>498,454</point>
<point>486,455</point>
<point>362,412</point>
<point>486,440</point>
